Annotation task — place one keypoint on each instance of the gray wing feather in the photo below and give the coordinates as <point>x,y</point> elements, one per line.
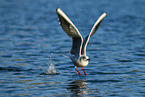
<point>93,30</point>
<point>71,31</point>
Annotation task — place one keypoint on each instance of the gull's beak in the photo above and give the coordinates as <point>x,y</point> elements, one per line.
<point>88,59</point>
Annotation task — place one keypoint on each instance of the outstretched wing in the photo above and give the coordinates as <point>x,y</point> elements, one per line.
<point>94,29</point>
<point>71,31</point>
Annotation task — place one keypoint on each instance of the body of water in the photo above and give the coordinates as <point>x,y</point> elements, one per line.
<point>31,39</point>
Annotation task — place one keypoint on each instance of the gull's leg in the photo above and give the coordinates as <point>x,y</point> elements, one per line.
<point>77,70</point>
<point>84,71</point>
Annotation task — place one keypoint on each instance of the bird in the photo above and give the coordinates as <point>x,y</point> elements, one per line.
<point>78,50</point>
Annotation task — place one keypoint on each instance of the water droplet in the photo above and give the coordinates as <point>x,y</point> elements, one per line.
<point>51,70</point>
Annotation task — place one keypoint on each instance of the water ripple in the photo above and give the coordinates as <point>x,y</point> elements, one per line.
<point>30,33</point>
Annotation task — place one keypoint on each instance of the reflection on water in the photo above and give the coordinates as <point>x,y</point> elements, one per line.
<point>78,87</point>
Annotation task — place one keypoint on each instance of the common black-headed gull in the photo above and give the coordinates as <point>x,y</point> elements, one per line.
<point>78,50</point>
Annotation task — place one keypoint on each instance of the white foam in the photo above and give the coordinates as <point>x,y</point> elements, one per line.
<point>51,70</point>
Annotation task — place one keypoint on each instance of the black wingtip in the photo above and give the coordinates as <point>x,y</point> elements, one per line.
<point>57,9</point>
<point>106,12</point>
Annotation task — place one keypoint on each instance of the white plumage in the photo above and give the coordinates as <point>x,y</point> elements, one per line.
<point>78,50</point>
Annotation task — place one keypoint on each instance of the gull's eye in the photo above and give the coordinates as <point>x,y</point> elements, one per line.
<point>85,58</point>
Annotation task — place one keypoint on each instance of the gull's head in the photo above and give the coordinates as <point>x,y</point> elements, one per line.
<point>84,60</point>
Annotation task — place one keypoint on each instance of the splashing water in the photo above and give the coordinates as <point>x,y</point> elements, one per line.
<point>51,70</point>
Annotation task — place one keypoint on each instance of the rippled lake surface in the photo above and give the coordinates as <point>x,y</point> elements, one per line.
<point>31,39</point>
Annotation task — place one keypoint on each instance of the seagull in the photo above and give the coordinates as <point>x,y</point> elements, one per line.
<point>78,50</point>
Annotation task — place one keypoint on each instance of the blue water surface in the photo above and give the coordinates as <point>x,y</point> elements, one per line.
<point>30,34</point>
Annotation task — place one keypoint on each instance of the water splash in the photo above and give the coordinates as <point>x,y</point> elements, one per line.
<point>51,70</point>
